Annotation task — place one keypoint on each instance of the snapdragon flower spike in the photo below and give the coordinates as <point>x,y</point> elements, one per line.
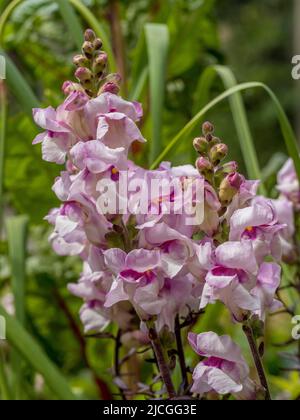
<point>91,65</point>
<point>153,267</point>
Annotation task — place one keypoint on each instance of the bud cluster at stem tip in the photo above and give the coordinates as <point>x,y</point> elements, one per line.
<point>92,66</point>
<point>223,177</point>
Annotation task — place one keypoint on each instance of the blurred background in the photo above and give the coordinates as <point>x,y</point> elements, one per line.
<point>255,39</point>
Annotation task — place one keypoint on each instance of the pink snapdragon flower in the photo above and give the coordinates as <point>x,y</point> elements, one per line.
<point>285,214</point>
<point>179,253</point>
<point>139,278</point>
<point>76,225</point>
<point>288,183</point>
<point>93,286</point>
<point>224,369</point>
<point>258,223</point>
<point>232,278</point>
<point>240,283</point>
<point>107,118</point>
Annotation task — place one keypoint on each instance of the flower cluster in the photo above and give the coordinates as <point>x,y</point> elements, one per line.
<point>150,268</point>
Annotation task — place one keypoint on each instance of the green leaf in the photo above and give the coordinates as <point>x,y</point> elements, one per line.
<point>3,112</point>
<point>6,14</point>
<point>71,21</point>
<point>239,117</point>
<point>99,30</point>
<point>19,86</point>
<point>286,129</point>
<point>16,228</point>
<point>27,347</point>
<point>140,84</point>
<point>157,37</point>
<point>5,391</point>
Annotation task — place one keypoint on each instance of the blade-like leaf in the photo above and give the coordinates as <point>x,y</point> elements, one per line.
<point>3,106</point>
<point>5,392</point>
<point>140,84</point>
<point>286,129</point>
<point>6,14</point>
<point>239,116</point>
<point>19,86</point>
<point>16,228</point>
<point>68,14</point>
<point>27,347</point>
<point>157,36</point>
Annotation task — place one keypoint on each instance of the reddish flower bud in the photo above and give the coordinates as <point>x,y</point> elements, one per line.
<point>207,128</point>
<point>100,63</point>
<point>97,44</point>
<point>110,87</point>
<point>83,74</point>
<point>230,186</point>
<point>89,35</point>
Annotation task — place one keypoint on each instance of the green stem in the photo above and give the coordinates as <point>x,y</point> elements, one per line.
<point>257,360</point>
<point>161,362</point>
<point>180,351</point>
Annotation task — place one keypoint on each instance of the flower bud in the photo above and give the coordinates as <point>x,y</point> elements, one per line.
<point>83,74</point>
<point>235,180</point>
<point>88,49</point>
<point>218,153</point>
<point>213,140</point>
<point>89,35</point>
<point>230,186</point>
<point>229,167</point>
<point>81,61</point>
<point>100,63</point>
<point>110,87</point>
<point>200,144</point>
<point>203,164</point>
<point>205,168</point>
<point>207,128</point>
<point>69,87</point>
<point>97,44</point>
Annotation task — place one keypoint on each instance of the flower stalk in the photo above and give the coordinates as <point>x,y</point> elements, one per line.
<point>257,359</point>
<point>161,362</point>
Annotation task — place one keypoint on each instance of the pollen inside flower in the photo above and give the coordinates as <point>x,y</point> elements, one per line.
<point>250,232</point>
<point>115,174</point>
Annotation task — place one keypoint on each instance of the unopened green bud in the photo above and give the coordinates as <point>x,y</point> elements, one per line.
<point>100,63</point>
<point>81,61</point>
<point>230,186</point>
<point>218,153</point>
<point>88,49</point>
<point>213,140</point>
<point>200,144</point>
<point>229,167</point>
